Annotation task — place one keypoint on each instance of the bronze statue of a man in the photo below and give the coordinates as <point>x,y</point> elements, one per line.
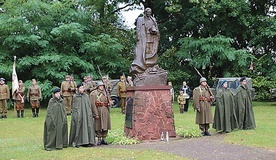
<point>147,43</point>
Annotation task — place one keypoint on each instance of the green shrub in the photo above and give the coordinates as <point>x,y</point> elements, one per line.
<point>262,86</point>
<point>187,132</point>
<point>118,137</point>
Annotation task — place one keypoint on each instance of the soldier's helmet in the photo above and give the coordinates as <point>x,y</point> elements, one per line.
<point>100,84</point>
<point>2,79</point>
<point>202,79</point>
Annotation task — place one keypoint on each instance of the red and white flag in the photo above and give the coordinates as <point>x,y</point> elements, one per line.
<point>15,84</point>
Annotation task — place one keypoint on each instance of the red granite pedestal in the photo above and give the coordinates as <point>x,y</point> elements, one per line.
<point>149,113</point>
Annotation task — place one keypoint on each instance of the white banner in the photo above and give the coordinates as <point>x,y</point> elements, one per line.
<point>15,84</point>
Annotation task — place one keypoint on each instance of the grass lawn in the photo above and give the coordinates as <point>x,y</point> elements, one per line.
<point>265,133</point>
<point>22,138</point>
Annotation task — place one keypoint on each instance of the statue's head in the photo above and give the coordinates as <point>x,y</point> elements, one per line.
<point>147,12</point>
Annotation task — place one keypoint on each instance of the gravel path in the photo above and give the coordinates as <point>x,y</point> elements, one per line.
<point>207,148</point>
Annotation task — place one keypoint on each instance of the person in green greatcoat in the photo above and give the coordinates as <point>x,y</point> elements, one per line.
<point>245,113</point>
<point>82,131</point>
<point>55,125</point>
<point>225,119</point>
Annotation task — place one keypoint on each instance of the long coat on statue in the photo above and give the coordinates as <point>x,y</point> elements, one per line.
<point>82,129</point>
<point>225,118</point>
<point>55,126</point>
<point>244,109</point>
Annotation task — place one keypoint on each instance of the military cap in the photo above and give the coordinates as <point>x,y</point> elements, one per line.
<point>20,81</point>
<point>129,77</point>
<point>242,79</point>
<point>79,85</point>
<point>67,76</point>
<point>104,77</point>
<point>100,84</point>
<point>2,79</point>
<point>85,77</point>
<point>222,82</point>
<point>202,79</point>
<point>122,77</point>
<point>56,90</point>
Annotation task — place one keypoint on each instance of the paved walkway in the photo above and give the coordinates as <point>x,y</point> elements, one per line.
<point>207,148</point>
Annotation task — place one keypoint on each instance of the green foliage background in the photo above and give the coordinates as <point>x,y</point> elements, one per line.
<point>219,37</point>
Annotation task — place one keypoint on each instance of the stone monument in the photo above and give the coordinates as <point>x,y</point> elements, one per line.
<point>149,110</point>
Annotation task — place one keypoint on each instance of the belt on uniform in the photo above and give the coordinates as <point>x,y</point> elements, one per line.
<point>122,91</point>
<point>101,104</point>
<point>205,99</point>
<point>34,94</point>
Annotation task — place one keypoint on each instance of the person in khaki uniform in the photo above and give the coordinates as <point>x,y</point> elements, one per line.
<point>88,84</point>
<point>181,101</point>
<point>100,102</point>
<point>107,84</point>
<point>202,104</point>
<point>121,92</point>
<point>34,96</point>
<point>4,96</point>
<point>67,89</point>
<point>18,97</point>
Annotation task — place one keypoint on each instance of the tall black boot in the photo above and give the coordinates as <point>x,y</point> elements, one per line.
<point>99,141</point>
<point>22,113</point>
<point>33,110</point>
<point>18,113</point>
<point>37,111</point>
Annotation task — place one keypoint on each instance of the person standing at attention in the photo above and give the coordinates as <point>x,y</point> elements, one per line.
<point>4,96</point>
<point>181,101</point>
<point>67,89</point>
<point>18,97</point>
<point>121,92</point>
<point>225,119</point>
<point>55,125</point>
<point>202,97</point>
<point>171,91</point>
<point>82,132</point>
<point>100,102</point>
<point>34,97</point>
<point>245,111</point>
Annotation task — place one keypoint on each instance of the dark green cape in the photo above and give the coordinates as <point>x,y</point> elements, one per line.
<point>225,118</point>
<point>55,126</point>
<point>82,129</point>
<point>244,109</point>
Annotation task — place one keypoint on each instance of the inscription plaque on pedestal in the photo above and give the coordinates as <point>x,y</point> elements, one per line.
<point>129,109</point>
